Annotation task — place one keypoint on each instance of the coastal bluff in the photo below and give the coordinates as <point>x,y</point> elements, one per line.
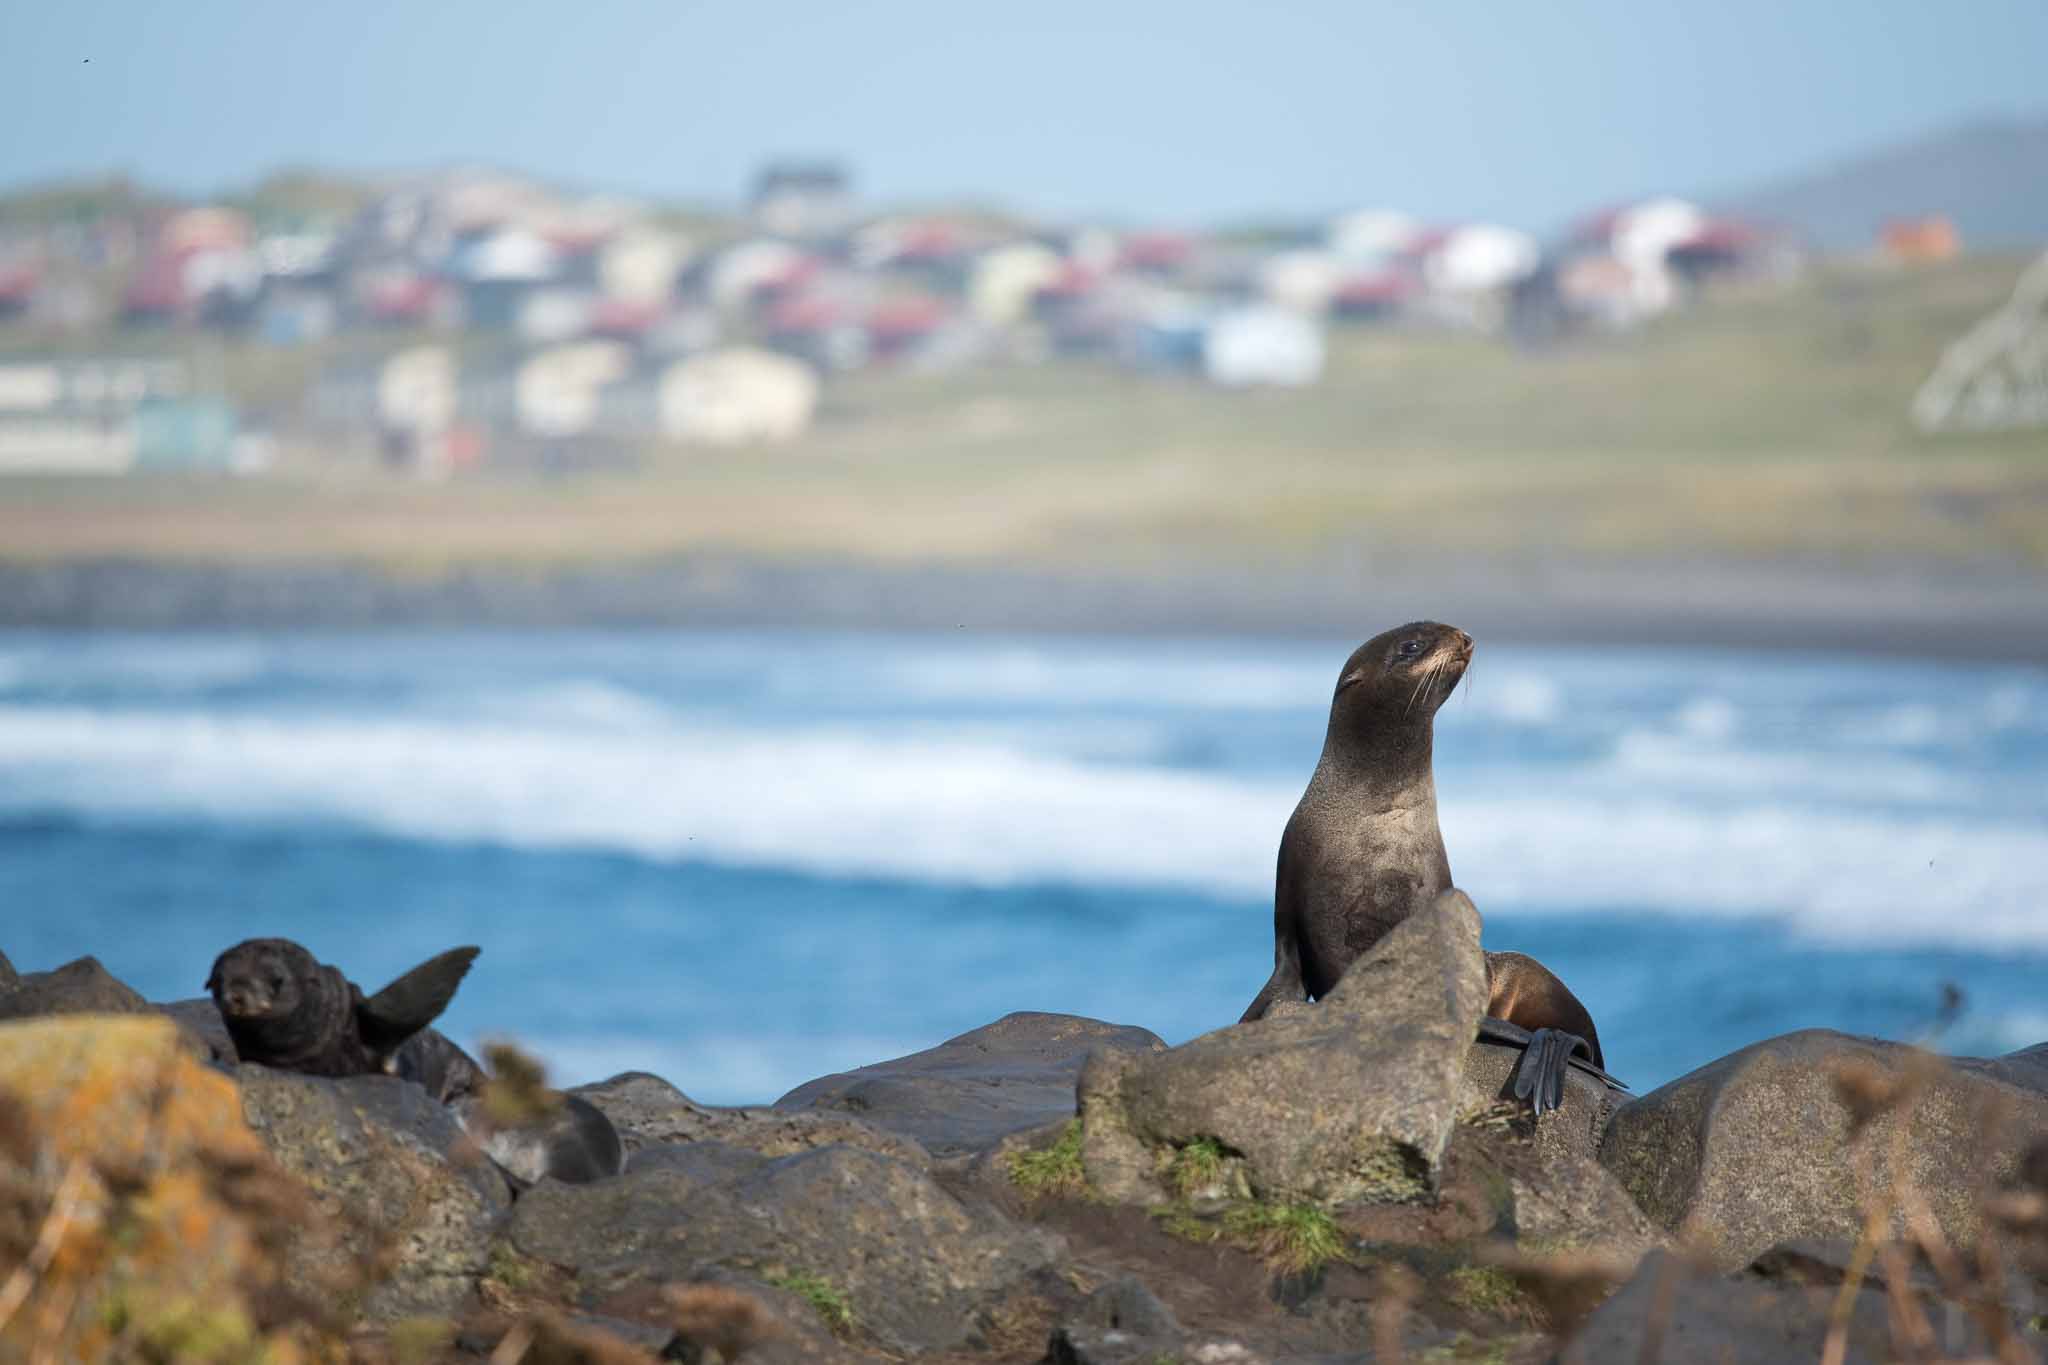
<point>1328,1184</point>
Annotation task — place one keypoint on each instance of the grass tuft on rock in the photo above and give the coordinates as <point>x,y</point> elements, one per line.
<point>1465,1349</point>
<point>830,1303</point>
<point>1196,1166</point>
<point>1488,1291</point>
<point>1054,1170</point>
<point>1294,1238</point>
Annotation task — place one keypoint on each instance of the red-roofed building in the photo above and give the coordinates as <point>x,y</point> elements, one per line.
<point>1160,253</point>
<point>895,325</point>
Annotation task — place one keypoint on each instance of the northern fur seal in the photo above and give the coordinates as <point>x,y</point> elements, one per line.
<point>285,1009</point>
<point>1362,851</point>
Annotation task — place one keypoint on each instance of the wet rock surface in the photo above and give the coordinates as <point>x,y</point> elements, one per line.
<point>1789,1139</point>
<point>969,1092</point>
<point>1353,1099</point>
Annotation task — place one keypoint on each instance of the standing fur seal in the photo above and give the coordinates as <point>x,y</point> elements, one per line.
<point>287,1010</point>
<point>1362,852</point>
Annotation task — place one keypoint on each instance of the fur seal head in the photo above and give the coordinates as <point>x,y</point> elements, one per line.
<point>1389,691</point>
<point>278,1001</point>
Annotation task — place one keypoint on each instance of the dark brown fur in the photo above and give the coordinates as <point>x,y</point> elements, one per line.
<point>287,1010</point>
<point>1362,851</point>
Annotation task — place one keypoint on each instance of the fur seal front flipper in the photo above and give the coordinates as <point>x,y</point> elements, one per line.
<point>413,1001</point>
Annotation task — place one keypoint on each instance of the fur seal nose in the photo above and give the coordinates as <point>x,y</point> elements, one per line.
<point>1464,641</point>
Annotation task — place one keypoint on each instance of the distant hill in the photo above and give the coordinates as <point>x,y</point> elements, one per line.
<point>1990,177</point>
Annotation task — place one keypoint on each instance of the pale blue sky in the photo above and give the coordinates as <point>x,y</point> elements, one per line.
<point>1183,111</point>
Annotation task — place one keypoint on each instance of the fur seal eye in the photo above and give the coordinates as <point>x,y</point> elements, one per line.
<point>1410,648</point>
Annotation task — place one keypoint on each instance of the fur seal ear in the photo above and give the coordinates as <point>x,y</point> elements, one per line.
<point>415,1000</point>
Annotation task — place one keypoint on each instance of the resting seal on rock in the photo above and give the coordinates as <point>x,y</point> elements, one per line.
<point>287,1010</point>
<point>1362,852</point>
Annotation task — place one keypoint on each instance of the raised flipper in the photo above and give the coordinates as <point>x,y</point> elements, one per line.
<point>412,1002</point>
<point>1547,1055</point>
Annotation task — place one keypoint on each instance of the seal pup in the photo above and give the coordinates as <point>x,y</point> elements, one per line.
<point>287,1010</point>
<point>1362,851</point>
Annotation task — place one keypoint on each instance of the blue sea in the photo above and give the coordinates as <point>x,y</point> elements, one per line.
<point>743,860</point>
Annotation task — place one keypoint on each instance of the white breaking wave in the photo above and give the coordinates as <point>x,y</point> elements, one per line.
<point>1035,675</point>
<point>1623,836</point>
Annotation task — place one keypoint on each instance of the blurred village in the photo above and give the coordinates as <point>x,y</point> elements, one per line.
<point>471,320</point>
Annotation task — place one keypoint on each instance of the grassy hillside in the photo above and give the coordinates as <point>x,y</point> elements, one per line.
<point>1766,426</point>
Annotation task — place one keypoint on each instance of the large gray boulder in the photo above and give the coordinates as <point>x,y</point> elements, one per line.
<point>79,987</point>
<point>1681,1312</point>
<point>1573,1129</point>
<point>913,1264</point>
<point>392,1167</point>
<point>1757,1148</point>
<point>1353,1099</point>
<point>651,1113</point>
<point>970,1092</point>
<point>1121,1323</point>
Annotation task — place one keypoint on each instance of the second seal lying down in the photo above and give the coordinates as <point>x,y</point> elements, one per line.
<point>1362,852</point>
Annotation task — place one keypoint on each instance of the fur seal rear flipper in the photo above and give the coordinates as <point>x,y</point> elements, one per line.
<point>1547,1054</point>
<point>413,1001</point>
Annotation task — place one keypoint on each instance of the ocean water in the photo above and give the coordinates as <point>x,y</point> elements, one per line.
<point>743,860</point>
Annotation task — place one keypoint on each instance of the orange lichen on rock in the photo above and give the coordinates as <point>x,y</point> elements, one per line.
<point>140,1219</point>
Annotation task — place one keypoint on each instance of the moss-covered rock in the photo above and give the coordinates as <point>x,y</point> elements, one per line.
<point>147,1218</point>
<point>391,1167</point>
<point>1354,1099</point>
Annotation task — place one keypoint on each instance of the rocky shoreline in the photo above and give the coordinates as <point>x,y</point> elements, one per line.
<point>1340,1182</point>
<point>1997,612</point>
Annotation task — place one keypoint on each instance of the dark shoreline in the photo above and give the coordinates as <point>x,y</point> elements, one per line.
<point>1899,609</point>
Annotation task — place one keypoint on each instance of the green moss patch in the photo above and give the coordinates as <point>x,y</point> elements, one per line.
<point>830,1303</point>
<point>1486,1290</point>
